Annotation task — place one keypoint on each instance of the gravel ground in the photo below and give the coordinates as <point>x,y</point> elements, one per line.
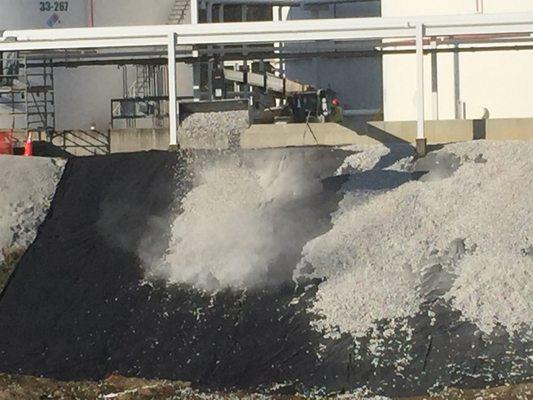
<point>27,188</point>
<point>461,233</point>
<point>15,387</point>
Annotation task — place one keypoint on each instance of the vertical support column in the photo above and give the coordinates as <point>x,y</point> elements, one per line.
<point>276,17</point>
<point>434,81</point>
<point>209,16</point>
<point>221,47</point>
<point>125,81</point>
<point>209,12</point>
<point>245,89</point>
<point>420,128</point>
<point>195,66</point>
<point>194,12</point>
<point>236,87</point>
<point>172,94</point>
<point>457,83</point>
<point>90,11</point>
<point>479,6</point>
<point>196,77</point>
<point>210,69</point>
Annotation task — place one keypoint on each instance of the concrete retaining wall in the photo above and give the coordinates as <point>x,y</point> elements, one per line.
<point>330,134</point>
<point>128,140</point>
<point>442,131</point>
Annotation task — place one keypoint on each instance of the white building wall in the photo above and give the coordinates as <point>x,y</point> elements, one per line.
<point>83,94</point>
<point>469,84</point>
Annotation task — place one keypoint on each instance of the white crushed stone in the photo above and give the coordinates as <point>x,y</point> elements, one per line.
<point>362,394</point>
<point>217,237</point>
<point>225,236</point>
<point>27,186</point>
<point>213,130</point>
<point>376,254</point>
<point>364,158</point>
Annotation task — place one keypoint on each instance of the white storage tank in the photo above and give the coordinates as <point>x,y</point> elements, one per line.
<point>83,94</point>
<point>24,14</point>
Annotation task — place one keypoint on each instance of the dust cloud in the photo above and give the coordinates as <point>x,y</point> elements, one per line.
<point>245,220</point>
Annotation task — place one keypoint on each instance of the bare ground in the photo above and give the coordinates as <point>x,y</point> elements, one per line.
<point>15,387</point>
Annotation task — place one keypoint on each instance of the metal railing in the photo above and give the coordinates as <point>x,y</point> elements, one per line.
<point>83,142</point>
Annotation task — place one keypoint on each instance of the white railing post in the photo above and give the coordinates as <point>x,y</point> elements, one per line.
<point>172,95</point>
<point>420,123</point>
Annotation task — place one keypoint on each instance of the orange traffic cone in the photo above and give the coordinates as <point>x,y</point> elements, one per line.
<point>28,146</point>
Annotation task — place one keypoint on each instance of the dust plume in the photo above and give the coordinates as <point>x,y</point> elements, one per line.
<point>245,220</point>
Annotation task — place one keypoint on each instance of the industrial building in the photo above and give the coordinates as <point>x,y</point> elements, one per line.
<point>213,199</point>
<point>468,76</point>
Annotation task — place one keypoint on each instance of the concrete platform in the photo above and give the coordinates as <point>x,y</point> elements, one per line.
<point>437,132</point>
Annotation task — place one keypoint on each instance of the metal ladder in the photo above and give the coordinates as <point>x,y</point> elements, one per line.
<point>39,95</point>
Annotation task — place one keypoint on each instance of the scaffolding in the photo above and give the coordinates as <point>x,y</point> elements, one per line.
<point>27,93</point>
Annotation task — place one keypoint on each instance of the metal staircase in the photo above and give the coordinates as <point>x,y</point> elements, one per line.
<point>178,12</point>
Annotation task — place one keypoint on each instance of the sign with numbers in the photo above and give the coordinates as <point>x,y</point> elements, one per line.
<point>55,6</point>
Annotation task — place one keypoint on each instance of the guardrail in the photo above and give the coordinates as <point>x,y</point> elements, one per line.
<point>80,142</point>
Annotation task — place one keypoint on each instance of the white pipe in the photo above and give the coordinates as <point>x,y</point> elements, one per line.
<point>349,28</point>
<point>82,44</point>
<point>266,32</point>
<point>420,133</point>
<point>172,95</point>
